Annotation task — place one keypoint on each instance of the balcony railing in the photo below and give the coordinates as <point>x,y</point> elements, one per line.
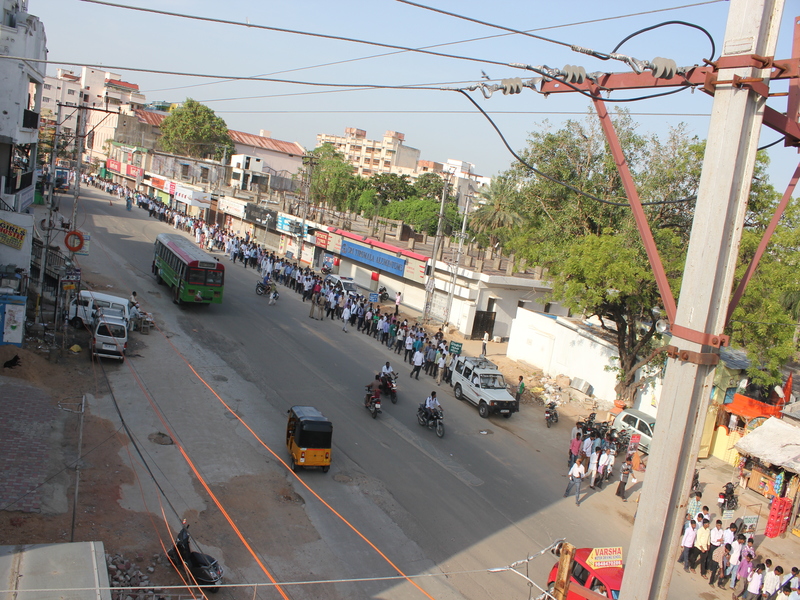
<point>30,119</point>
<point>15,184</point>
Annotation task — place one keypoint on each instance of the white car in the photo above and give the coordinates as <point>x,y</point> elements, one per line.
<point>480,382</point>
<point>348,284</point>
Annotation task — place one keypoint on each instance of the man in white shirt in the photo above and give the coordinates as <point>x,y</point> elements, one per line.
<point>687,543</point>
<point>715,540</point>
<point>772,580</point>
<point>576,474</point>
<point>729,535</point>
<point>431,404</point>
<point>418,361</point>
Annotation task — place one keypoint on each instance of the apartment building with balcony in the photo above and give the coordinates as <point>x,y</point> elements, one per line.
<point>21,86</point>
<point>368,157</point>
<point>64,89</point>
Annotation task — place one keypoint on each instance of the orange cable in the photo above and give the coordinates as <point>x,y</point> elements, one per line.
<point>303,483</point>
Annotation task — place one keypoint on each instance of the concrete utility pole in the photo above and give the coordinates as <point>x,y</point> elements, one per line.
<point>79,165</point>
<point>309,160</point>
<point>461,237</point>
<point>430,288</point>
<point>46,248</point>
<point>736,119</point>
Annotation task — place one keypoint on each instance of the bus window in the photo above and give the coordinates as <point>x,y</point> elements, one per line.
<point>214,277</point>
<point>196,277</point>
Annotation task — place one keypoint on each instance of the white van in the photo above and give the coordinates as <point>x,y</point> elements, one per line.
<point>109,335</point>
<point>82,309</point>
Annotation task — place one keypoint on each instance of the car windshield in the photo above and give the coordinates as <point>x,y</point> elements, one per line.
<point>652,426</point>
<point>493,382</point>
<point>615,594</point>
<point>349,286</point>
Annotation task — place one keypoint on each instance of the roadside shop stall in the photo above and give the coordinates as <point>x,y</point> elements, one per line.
<point>772,456</point>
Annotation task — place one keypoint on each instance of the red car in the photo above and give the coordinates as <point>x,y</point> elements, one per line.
<point>605,581</point>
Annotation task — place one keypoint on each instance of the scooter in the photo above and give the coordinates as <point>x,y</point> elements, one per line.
<point>204,569</point>
<point>372,402</point>
<point>727,500</point>
<point>436,421</point>
<point>550,414</point>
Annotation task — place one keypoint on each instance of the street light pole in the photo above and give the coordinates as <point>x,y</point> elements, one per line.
<point>309,160</point>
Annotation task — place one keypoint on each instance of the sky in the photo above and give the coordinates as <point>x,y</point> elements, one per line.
<point>441,124</point>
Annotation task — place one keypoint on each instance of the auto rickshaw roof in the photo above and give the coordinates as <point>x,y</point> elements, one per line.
<point>309,414</point>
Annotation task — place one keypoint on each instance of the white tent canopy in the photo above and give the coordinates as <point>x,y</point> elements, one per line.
<point>775,442</point>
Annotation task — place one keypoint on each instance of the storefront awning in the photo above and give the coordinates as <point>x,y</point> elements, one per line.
<point>775,442</point>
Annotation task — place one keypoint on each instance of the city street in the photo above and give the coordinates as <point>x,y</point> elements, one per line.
<point>487,494</point>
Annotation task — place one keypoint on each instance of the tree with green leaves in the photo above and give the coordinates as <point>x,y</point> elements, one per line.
<point>194,130</point>
<point>495,217</point>
<point>391,187</point>
<point>592,250</point>
<point>332,179</point>
<point>429,185</point>
<point>421,213</point>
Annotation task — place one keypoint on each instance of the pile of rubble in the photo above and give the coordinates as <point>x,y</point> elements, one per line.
<point>124,573</point>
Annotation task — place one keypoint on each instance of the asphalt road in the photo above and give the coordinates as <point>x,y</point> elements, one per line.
<point>488,494</point>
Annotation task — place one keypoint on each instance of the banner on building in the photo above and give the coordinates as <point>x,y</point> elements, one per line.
<point>12,235</point>
<point>113,165</point>
<point>192,197</point>
<point>374,258</point>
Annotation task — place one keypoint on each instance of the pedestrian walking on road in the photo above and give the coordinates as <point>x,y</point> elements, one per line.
<point>345,317</point>
<point>418,361</point>
<point>485,341</point>
<point>624,473</point>
<point>576,474</point>
<point>520,388</point>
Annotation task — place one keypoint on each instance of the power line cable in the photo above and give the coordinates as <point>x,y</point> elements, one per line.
<point>684,23</point>
<point>453,43</point>
<point>298,32</point>
<point>553,179</point>
<point>457,112</point>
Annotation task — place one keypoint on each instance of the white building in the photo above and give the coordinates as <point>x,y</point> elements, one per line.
<point>369,157</point>
<point>64,89</point>
<point>21,85</point>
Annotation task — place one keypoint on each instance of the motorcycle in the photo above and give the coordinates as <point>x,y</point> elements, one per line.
<point>587,425</point>
<point>550,414</point>
<point>204,569</point>
<point>436,421</point>
<point>727,500</point>
<point>389,386</point>
<point>326,270</point>
<point>372,402</point>
<point>383,293</point>
<point>261,287</point>
<point>696,482</point>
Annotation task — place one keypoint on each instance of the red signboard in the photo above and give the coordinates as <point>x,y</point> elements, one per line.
<point>133,171</point>
<point>113,165</point>
<point>157,183</point>
<point>322,239</point>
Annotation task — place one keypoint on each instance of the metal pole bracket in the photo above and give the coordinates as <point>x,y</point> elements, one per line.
<point>697,358</point>
<point>699,337</point>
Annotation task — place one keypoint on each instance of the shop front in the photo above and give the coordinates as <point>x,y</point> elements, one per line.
<point>770,467</point>
<point>194,203</point>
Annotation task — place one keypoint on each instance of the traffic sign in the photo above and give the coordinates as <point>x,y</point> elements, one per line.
<point>455,347</point>
<point>373,296</point>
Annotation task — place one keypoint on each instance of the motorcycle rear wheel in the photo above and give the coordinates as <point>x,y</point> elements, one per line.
<point>260,289</point>
<point>421,419</point>
<point>374,413</point>
<point>548,423</point>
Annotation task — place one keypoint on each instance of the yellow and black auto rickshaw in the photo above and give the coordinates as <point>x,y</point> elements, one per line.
<point>308,438</point>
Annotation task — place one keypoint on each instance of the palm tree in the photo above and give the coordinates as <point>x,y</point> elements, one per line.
<point>791,302</point>
<point>495,215</point>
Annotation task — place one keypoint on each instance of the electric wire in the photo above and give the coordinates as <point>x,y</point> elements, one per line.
<point>665,23</point>
<point>553,179</point>
<point>299,32</point>
<point>453,112</point>
<point>469,40</point>
<point>771,144</point>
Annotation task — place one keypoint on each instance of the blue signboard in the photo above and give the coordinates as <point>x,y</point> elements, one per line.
<point>290,225</point>
<point>374,258</point>
<point>374,297</point>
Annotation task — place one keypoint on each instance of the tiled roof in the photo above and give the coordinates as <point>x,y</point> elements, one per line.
<point>152,117</point>
<point>257,141</point>
<point>122,84</point>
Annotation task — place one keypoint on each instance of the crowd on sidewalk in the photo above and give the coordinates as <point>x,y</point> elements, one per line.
<point>729,557</point>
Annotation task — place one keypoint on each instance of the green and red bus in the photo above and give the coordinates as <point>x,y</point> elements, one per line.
<point>193,275</point>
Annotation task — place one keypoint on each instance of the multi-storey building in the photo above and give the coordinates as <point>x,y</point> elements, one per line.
<point>64,89</point>
<point>21,85</point>
<point>369,157</point>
